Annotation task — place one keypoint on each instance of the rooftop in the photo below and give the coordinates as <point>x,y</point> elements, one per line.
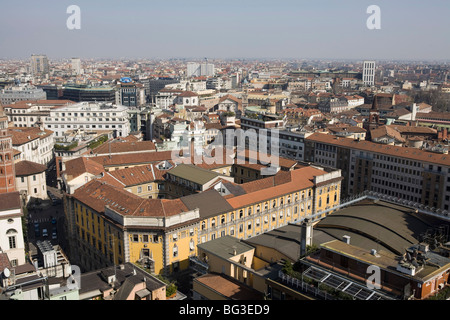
<point>396,151</point>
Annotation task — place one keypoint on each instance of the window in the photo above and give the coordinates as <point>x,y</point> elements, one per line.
<point>135,238</point>
<point>175,250</point>
<point>12,242</point>
<point>139,189</point>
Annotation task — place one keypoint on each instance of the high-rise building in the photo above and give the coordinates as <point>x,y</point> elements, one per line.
<point>200,69</point>
<point>76,66</point>
<point>39,64</point>
<point>369,73</point>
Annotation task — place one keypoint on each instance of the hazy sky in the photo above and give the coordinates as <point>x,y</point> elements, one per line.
<point>319,29</point>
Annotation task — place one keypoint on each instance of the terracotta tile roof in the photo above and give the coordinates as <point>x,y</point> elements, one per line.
<point>22,135</point>
<point>26,168</point>
<point>188,94</point>
<point>26,104</point>
<point>440,116</point>
<point>230,97</point>
<point>386,131</point>
<point>401,152</point>
<point>284,163</point>
<point>4,262</point>
<point>124,147</point>
<point>286,182</point>
<point>411,129</point>
<point>98,195</point>
<point>138,175</point>
<point>132,159</point>
<point>78,166</point>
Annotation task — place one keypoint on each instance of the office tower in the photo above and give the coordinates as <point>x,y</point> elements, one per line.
<point>76,66</point>
<point>39,64</point>
<point>369,73</point>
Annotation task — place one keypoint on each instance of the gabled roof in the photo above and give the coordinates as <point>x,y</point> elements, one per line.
<point>116,146</point>
<point>77,167</point>
<point>188,94</point>
<point>278,185</point>
<point>26,168</point>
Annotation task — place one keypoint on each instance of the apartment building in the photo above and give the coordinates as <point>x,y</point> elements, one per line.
<point>108,224</point>
<point>32,113</point>
<point>33,144</point>
<point>89,116</point>
<point>407,173</point>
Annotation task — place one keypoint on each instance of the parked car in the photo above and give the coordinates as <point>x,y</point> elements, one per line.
<point>54,234</point>
<point>44,233</point>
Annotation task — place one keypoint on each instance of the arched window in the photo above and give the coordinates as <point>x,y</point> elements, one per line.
<point>203,225</point>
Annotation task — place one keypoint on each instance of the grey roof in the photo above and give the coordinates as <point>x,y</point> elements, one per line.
<point>126,277</point>
<point>377,225</point>
<point>225,247</point>
<point>210,203</point>
<point>193,173</point>
<point>235,189</point>
<point>287,240</point>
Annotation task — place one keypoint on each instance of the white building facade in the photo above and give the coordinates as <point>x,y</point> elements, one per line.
<point>89,117</point>
<point>369,73</point>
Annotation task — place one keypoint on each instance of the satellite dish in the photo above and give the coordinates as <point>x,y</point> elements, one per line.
<point>6,273</point>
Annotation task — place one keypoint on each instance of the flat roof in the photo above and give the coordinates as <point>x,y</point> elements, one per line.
<point>193,173</point>
<point>226,247</point>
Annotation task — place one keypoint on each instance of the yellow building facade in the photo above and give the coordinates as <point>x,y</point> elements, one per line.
<point>111,225</point>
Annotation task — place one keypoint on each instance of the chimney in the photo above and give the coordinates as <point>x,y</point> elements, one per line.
<point>306,236</point>
<point>346,239</point>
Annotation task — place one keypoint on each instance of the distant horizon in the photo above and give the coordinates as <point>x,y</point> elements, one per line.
<point>199,59</point>
<point>252,30</point>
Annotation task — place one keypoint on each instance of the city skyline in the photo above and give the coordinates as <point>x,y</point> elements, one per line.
<point>229,30</point>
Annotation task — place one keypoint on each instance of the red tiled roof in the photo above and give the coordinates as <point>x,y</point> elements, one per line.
<point>286,182</point>
<point>402,152</point>
<point>78,166</point>
<point>26,168</point>
<point>124,147</point>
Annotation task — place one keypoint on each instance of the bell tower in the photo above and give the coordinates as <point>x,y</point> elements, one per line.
<point>7,169</point>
